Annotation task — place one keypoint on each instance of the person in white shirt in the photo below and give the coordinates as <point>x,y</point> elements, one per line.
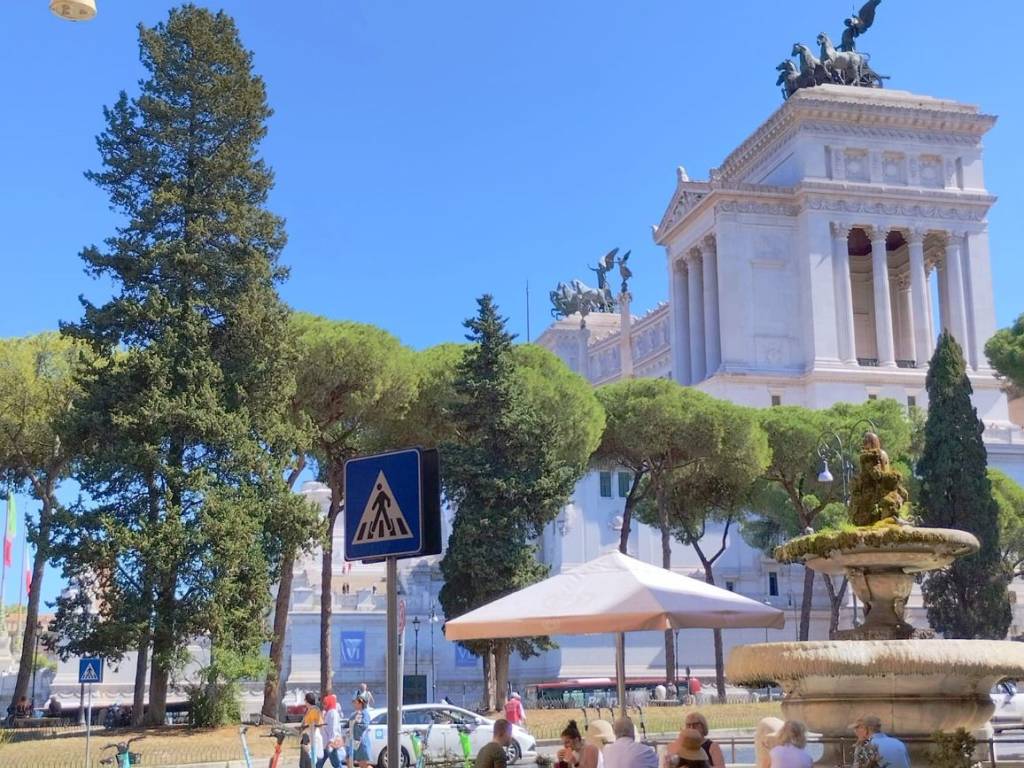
<point>625,752</point>
<point>790,752</point>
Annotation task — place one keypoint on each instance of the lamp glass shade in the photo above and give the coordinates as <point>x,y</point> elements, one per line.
<point>73,10</point>
<point>825,476</point>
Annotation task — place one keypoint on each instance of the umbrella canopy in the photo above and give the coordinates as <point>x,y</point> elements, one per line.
<point>612,593</point>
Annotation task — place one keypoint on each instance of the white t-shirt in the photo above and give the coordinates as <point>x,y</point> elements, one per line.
<point>788,756</point>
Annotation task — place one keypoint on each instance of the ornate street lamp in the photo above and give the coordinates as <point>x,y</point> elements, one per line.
<point>434,619</point>
<point>73,10</point>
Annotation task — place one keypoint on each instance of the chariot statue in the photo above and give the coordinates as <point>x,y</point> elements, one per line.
<point>841,66</point>
<point>578,297</point>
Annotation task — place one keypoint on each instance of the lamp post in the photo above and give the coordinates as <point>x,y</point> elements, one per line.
<point>434,619</point>
<point>416,646</point>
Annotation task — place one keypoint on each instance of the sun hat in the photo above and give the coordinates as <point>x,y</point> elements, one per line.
<point>600,731</point>
<point>688,745</point>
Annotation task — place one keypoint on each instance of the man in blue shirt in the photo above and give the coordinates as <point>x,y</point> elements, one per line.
<point>892,751</point>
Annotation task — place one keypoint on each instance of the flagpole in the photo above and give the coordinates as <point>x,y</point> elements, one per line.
<point>3,568</point>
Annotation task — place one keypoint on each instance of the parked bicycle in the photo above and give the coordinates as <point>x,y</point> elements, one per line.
<point>124,757</point>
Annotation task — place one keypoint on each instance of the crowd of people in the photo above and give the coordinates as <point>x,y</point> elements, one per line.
<point>322,739</point>
<point>779,745</point>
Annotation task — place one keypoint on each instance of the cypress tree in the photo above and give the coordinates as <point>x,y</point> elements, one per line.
<point>968,599</point>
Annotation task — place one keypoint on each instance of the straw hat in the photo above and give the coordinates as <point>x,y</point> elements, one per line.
<point>600,731</point>
<point>688,745</point>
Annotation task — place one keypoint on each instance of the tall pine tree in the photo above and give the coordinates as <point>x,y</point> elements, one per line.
<point>523,427</point>
<point>968,599</point>
<point>183,414</point>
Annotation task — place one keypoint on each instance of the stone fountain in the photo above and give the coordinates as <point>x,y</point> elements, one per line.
<point>917,684</point>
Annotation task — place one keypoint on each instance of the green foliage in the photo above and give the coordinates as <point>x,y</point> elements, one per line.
<point>1009,497</point>
<point>213,704</point>
<point>1005,351</point>
<point>953,750</point>
<point>969,599</point>
<point>521,429</point>
<point>183,419</point>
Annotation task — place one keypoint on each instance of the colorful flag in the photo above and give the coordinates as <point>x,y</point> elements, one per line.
<point>12,529</point>
<point>28,579</point>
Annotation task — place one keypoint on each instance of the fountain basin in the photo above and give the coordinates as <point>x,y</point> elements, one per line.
<point>880,563</point>
<point>917,687</point>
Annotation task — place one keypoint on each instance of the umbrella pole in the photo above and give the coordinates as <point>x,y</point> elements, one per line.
<point>620,671</point>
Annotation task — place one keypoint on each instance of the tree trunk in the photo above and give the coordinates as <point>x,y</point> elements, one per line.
<point>139,692</point>
<point>805,604</point>
<point>272,686</point>
<point>487,662</point>
<point>666,563</point>
<point>326,591</point>
<point>163,650</point>
<point>28,643</point>
<point>709,577</point>
<point>835,599</point>
<point>627,512</point>
<point>502,654</point>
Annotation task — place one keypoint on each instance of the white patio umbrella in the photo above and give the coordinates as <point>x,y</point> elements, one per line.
<point>613,593</point>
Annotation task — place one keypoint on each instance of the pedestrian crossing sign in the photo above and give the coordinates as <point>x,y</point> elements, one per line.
<point>90,670</point>
<point>392,505</point>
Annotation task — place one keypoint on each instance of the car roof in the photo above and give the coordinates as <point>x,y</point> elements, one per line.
<point>416,707</point>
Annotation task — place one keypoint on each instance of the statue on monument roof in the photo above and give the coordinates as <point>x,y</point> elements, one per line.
<point>840,66</point>
<point>576,296</point>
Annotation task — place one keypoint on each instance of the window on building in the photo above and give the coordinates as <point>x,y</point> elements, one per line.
<point>625,481</point>
<point>731,586</point>
<point>911,401</point>
<point>776,400</point>
<point>773,584</point>
<point>606,484</point>
<point>872,397</point>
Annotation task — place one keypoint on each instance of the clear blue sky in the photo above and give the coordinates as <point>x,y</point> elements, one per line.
<point>429,152</point>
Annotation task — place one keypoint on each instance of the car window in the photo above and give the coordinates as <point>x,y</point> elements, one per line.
<point>416,717</point>
<point>381,719</point>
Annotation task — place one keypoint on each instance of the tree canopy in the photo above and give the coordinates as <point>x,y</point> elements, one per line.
<point>1005,351</point>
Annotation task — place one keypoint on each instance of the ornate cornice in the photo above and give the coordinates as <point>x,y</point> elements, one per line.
<point>893,208</point>
<point>753,206</point>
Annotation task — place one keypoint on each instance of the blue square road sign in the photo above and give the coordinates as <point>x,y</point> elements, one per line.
<point>90,670</point>
<point>392,505</point>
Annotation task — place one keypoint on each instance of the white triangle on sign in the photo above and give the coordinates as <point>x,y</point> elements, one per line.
<point>89,674</point>
<point>382,519</point>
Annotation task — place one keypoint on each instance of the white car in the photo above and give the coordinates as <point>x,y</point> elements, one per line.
<point>1009,706</point>
<point>438,727</point>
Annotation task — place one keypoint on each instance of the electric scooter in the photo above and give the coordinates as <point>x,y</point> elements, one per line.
<point>278,732</point>
<point>124,758</point>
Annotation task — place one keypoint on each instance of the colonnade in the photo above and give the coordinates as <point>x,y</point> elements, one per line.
<point>698,340</point>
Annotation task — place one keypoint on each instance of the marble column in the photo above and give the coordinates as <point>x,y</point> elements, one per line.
<point>713,339</point>
<point>696,286</point>
<point>906,347</point>
<point>919,299</point>
<point>955,291</point>
<point>680,320</point>
<point>883,303</point>
<point>844,292</point>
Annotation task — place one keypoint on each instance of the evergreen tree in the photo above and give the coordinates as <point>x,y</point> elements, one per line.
<point>522,429</point>
<point>969,598</point>
<point>1005,351</point>
<point>183,415</point>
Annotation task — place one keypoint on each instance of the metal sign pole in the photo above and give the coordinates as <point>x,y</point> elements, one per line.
<point>394,705</point>
<point>88,727</point>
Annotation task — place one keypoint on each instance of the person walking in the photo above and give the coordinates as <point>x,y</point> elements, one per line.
<point>360,728</point>
<point>892,752</point>
<point>334,749</point>
<point>364,689</point>
<point>625,752</point>
<point>514,711</point>
<point>790,751</point>
<point>313,720</point>
<point>493,754</point>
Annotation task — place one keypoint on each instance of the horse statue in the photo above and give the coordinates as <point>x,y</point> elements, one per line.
<point>844,67</point>
<point>576,296</point>
<point>811,68</point>
<point>791,79</point>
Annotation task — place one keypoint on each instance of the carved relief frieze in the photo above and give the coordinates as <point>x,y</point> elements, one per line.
<point>911,210</point>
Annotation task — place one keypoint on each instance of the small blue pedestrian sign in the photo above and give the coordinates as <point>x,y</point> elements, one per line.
<point>392,505</point>
<point>90,670</point>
